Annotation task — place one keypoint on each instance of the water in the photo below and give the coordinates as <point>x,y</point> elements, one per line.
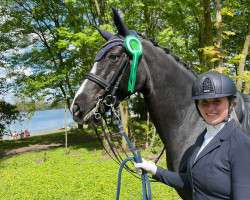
<point>43,121</point>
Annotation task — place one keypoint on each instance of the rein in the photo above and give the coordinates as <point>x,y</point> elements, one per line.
<point>119,160</point>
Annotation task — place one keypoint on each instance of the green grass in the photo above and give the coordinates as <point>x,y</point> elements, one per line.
<point>85,173</point>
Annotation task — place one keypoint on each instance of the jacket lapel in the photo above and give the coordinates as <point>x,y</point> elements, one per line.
<point>221,136</point>
<point>198,144</point>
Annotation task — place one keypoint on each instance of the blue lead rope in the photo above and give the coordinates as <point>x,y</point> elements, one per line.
<point>137,159</point>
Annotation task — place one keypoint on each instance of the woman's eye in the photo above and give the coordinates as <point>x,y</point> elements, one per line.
<point>203,102</point>
<point>217,101</point>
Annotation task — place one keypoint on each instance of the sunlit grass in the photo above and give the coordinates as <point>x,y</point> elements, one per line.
<point>85,173</point>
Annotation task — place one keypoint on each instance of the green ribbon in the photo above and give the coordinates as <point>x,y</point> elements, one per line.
<point>134,47</point>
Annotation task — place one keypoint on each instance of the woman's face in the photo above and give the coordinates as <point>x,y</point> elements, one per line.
<point>214,110</point>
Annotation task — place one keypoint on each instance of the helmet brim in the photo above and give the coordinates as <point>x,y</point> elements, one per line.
<point>210,96</point>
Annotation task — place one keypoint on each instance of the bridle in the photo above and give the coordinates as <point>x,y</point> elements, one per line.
<point>108,96</point>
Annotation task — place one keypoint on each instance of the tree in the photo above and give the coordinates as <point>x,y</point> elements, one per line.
<point>219,32</point>
<point>8,114</point>
<point>52,40</point>
<point>243,60</point>
<point>56,40</point>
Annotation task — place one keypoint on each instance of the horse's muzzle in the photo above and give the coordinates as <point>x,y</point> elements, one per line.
<point>77,113</point>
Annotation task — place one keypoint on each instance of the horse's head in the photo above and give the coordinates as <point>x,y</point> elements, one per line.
<point>107,83</point>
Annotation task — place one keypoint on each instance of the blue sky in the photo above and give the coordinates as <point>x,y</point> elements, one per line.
<point>9,97</point>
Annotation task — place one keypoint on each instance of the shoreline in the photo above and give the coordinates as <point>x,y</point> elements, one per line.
<point>39,134</point>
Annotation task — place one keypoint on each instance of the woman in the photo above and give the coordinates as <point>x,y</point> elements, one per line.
<point>219,167</point>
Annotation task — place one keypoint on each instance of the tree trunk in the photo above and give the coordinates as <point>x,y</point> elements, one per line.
<point>65,128</point>
<point>123,106</point>
<point>79,126</point>
<point>219,33</point>
<point>243,59</point>
<point>104,141</point>
<point>201,36</point>
<point>247,88</point>
<point>146,144</point>
<point>98,9</point>
<point>208,30</point>
<point>153,139</point>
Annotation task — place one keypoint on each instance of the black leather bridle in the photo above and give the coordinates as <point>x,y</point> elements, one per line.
<point>108,96</point>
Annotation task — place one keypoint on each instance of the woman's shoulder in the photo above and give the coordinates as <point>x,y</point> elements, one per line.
<point>240,139</point>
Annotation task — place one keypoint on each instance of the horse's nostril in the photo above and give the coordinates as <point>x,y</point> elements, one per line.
<point>77,112</point>
<point>75,108</point>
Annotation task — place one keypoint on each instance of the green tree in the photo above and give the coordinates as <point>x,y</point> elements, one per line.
<point>56,40</point>
<point>53,39</point>
<point>8,114</point>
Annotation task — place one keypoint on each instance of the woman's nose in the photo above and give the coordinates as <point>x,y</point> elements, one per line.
<point>211,105</point>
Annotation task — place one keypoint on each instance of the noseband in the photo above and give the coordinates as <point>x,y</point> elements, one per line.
<point>108,96</point>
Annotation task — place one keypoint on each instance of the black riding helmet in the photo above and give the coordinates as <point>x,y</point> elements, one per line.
<point>213,84</point>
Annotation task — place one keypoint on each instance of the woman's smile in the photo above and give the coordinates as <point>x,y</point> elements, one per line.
<point>214,110</point>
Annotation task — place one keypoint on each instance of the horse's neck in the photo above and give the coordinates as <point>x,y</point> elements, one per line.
<point>169,102</point>
<point>169,91</point>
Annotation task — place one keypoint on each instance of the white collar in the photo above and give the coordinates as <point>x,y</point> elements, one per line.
<point>212,130</point>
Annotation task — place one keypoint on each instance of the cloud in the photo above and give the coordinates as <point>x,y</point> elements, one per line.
<point>9,97</point>
<point>23,70</point>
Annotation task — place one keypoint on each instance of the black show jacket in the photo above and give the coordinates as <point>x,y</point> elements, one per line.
<point>221,170</point>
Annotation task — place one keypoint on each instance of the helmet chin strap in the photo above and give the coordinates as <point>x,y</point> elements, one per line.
<point>230,108</point>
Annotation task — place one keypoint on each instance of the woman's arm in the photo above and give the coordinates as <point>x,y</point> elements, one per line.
<point>240,170</point>
<point>173,179</point>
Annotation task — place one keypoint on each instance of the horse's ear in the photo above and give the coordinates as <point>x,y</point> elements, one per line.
<point>105,34</point>
<point>122,29</point>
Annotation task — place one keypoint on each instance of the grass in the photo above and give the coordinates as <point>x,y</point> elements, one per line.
<point>85,173</point>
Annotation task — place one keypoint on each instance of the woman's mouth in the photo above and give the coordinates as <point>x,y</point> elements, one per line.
<point>211,114</point>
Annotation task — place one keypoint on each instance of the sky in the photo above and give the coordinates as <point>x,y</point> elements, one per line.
<point>9,97</point>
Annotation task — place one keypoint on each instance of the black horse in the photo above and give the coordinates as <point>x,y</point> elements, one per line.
<point>165,83</point>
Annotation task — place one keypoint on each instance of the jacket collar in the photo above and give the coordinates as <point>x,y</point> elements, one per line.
<point>221,136</point>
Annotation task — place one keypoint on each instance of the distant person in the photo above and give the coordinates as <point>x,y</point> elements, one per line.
<point>21,134</point>
<point>26,133</point>
<point>15,135</point>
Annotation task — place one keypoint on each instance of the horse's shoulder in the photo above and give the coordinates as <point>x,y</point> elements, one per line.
<point>244,109</point>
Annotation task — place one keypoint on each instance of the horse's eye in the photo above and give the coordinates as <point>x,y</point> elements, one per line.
<point>114,57</point>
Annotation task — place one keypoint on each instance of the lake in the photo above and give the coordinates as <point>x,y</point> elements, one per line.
<point>43,121</point>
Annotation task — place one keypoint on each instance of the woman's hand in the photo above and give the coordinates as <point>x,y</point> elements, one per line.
<point>148,166</point>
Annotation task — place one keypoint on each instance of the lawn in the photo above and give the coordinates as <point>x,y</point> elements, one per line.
<point>85,173</point>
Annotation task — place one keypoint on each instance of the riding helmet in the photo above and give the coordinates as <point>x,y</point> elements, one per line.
<point>213,84</point>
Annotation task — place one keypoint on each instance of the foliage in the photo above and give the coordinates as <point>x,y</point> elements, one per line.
<point>36,30</point>
<point>82,174</point>
<point>141,129</point>
<point>138,106</point>
<point>8,113</point>
<point>47,47</point>
<point>24,105</point>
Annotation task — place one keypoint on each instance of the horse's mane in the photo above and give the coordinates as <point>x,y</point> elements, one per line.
<point>167,51</point>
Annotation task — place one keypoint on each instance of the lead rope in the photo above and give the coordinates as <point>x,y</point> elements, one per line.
<point>137,159</point>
